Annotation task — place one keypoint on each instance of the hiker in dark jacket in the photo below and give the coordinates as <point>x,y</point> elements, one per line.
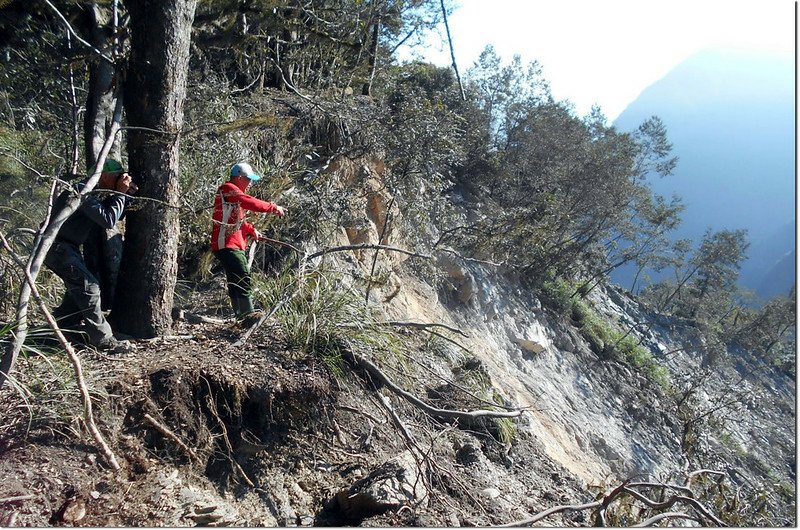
<point>82,297</point>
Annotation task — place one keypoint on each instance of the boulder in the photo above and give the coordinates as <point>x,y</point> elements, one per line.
<point>395,484</point>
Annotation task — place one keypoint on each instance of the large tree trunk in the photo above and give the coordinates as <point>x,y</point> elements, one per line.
<point>103,248</point>
<point>154,95</point>
<point>101,98</point>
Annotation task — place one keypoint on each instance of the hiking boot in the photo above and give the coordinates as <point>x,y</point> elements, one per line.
<point>242,306</point>
<point>251,318</point>
<point>113,346</point>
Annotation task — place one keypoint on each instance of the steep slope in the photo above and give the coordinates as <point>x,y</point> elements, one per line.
<point>730,116</point>
<point>287,426</point>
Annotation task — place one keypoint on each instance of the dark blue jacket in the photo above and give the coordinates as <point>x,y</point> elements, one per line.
<point>93,211</point>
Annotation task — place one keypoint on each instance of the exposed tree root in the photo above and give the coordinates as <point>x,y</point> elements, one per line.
<point>167,433</point>
<point>704,515</point>
<point>375,372</point>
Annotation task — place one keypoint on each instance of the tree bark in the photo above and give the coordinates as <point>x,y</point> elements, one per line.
<point>155,90</point>
<point>366,90</point>
<point>101,99</point>
<point>103,248</point>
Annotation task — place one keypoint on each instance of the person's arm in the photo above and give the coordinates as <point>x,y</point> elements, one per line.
<point>105,213</point>
<point>250,203</point>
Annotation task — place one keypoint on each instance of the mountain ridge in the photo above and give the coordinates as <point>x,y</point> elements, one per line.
<point>729,115</point>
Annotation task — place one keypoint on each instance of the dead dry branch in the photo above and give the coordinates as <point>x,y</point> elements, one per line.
<point>703,514</point>
<point>167,433</point>
<point>444,414</point>
<point>43,241</point>
<point>86,399</point>
<point>426,326</point>
<point>364,246</point>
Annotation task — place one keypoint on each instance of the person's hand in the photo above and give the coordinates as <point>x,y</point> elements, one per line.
<point>280,211</point>
<point>125,184</point>
<point>256,234</point>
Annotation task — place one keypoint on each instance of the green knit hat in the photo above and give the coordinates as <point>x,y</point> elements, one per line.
<point>112,166</point>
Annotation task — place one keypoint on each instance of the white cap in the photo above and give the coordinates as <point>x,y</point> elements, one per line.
<point>243,169</point>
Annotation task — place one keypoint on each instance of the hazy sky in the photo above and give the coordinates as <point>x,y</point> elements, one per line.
<point>608,51</point>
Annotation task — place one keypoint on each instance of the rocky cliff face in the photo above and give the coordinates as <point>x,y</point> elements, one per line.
<point>600,418</point>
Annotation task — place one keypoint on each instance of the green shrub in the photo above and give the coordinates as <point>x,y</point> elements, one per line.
<point>557,294</point>
<point>320,316</point>
<point>603,336</point>
<point>634,353</point>
<point>506,430</point>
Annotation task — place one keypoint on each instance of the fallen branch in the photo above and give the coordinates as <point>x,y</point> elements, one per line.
<point>86,399</point>
<point>411,442</point>
<point>695,474</point>
<point>600,519</point>
<point>551,511</point>
<point>167,433</point>
<point>426,326</point>
<point>452,383</point>
<point>451,341</point>
<point>277,242</point>
<point>685,489</point>
<point>246,335</point>
<point>602,505</point>
<point>474,260</point>
<point>194,318</point>
<point>367,414</point>
<point>446,414</point>
<point>364,246</point>
<point>167,338</point>
<point>300,276</point>
<point>417,325</point>
<point>697,505</point>
<point>16,499</point>
<point>667,515</point>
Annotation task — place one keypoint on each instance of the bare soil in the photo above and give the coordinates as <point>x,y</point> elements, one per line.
<point>213,434</point>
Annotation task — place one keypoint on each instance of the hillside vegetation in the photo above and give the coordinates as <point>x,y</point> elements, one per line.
<point>441,344</point>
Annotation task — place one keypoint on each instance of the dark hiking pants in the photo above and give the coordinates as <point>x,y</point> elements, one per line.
<point>234,261</point>
<point>82,296</point>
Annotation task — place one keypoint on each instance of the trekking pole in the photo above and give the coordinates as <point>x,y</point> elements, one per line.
<point>251,253</point>
<point>277,242</point>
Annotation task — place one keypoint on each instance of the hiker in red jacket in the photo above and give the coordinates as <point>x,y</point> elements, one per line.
<point>228,237</point>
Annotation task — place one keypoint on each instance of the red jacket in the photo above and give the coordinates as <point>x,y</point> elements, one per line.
<point>230,228</point>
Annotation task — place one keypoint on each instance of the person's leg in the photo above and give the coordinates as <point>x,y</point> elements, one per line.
<point>82,288</point>
<point>240,283</point>
<point>102,253</point>
<point>67,314</point>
